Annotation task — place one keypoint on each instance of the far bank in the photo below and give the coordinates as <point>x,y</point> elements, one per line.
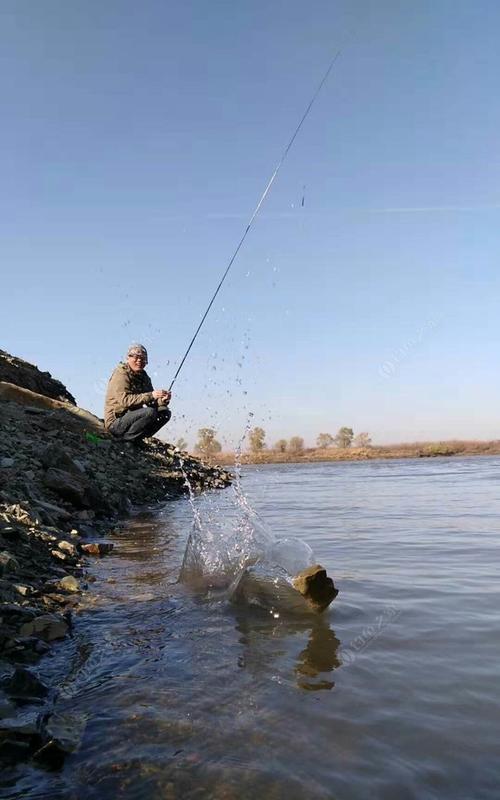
<point>450,448</point>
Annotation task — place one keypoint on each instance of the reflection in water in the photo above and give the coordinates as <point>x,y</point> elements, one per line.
<point>320,655</point>
<point>264,639</point>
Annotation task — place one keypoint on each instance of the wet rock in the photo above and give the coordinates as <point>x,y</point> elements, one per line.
<point>59,555</point>
<point>63,733</point>
<point>67,547</point>
<point>96,548</point>
<point>25,649</point>
<point>24,685</point>
<point>316,587</point>
<point>24,724</point>
<point>16,614</point>
<point>13,750</point>
<point>69,584</point>
<point>47,626</point>
<point>6,708</point>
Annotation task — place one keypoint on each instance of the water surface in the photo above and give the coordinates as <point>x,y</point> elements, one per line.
<point>393,693</point>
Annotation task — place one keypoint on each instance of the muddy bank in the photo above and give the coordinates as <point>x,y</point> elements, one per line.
<point>64,485</point>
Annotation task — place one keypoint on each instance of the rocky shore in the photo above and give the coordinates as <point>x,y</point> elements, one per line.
<point>64,484</point>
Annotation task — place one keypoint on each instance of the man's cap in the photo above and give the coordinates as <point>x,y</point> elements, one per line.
<point>137,349</point>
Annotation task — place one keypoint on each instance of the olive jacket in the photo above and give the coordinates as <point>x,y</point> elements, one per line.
<point>126,391</point>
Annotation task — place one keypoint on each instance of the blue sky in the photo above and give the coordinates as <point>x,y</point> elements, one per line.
<point>135,142</point>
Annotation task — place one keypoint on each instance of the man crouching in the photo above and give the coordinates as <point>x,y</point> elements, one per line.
<point>133,409</point>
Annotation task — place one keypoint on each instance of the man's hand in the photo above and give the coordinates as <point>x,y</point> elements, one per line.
<point>162,395</point>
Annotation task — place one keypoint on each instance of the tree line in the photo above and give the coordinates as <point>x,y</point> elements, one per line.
<point>208,445</point>
<point>343,439</point>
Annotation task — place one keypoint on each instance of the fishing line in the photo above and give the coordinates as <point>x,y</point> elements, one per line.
<point>257,208</point>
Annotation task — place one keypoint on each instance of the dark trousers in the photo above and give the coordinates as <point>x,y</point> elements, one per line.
<point>142,422</point>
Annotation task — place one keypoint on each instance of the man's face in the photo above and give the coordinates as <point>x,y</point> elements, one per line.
<point>137,361</point>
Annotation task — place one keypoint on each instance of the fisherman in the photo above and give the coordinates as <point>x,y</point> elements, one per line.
<point>133,409</point>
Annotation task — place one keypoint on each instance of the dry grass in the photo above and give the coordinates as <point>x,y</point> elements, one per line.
<point>453,447</point>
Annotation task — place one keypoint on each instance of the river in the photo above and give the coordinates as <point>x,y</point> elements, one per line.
<point>391,694</point>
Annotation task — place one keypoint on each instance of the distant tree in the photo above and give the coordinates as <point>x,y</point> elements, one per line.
<point>324,440</point>
<point>256,437</point>
<point>281,446</point>
<point>362,440</point>
<point>344,437</point>
<point>181,444</point>
<point>296,444</point>
<point>207,444</point>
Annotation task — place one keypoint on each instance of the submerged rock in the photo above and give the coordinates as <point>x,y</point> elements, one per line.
<point>24,685</point>
<point>63,733</point>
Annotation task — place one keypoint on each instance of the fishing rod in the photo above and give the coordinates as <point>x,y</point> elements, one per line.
<point>257,209</point>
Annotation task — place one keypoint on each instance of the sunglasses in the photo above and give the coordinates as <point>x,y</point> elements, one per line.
<point>138,358</point>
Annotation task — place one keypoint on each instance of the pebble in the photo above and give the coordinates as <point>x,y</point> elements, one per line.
<point>67,547</point>
<point>69,584</point>
<point>97,548</point>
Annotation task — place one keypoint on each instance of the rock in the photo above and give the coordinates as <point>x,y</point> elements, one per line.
<point>67,485</point>
<point>316,587</point>
<point>69,584</point>
<point>47,626</point>
<point>25,724</point>
<point>59,512</point>
<point>22,373</point>
<point>24,685</point>
<point>63,733</point>
<point>25,649</point>
<point>7,563</point>
<point>60,555</point>
<point>54,455</point>
<point>6,708</point>
<point>97,548</point>
<point>13,750</point>
<point>24,591</point>
<point>16,614</point>
<point>5,463</point>
<point>67,547</point>
<point>8,593</point>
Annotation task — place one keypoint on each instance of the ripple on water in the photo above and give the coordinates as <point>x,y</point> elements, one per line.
<point>392,694</point>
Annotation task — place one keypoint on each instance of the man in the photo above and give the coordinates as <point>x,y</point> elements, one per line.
<point>133,409</point>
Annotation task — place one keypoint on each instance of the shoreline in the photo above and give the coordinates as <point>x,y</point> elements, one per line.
<point>65,485</point>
